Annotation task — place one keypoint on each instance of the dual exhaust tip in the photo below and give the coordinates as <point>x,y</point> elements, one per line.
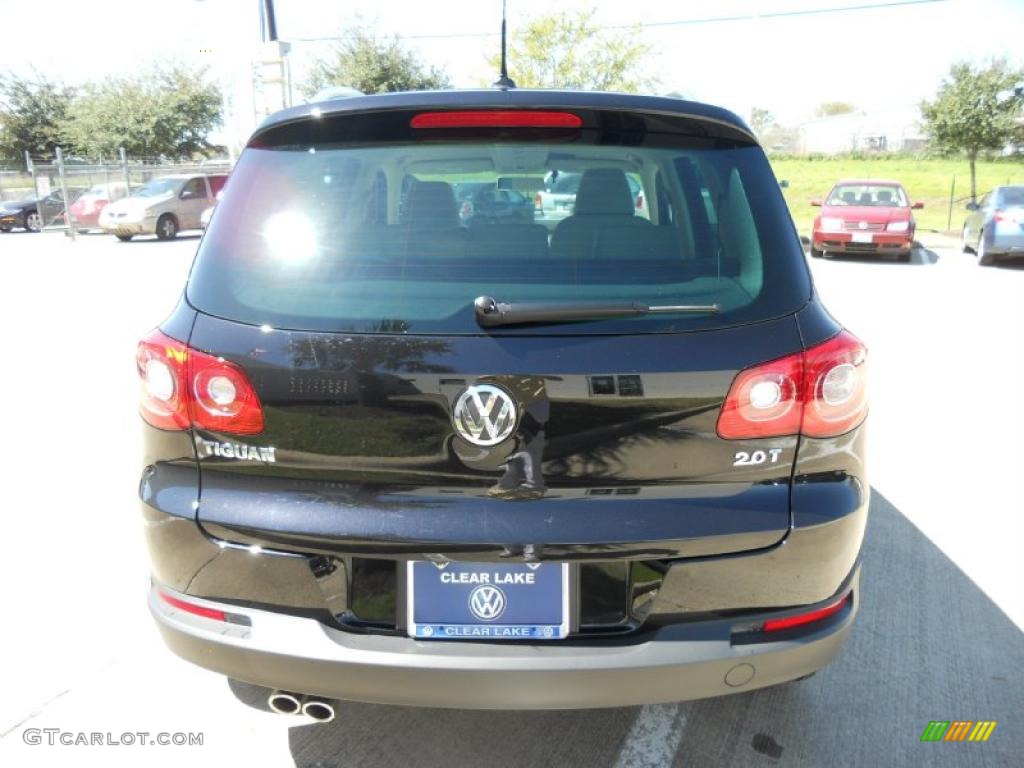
<point>316,709</point>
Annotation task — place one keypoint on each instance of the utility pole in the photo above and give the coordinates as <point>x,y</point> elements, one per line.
<point>271,72</point>
<point>268,22</point>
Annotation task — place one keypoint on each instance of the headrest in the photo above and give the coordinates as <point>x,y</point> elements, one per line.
<point>604,191</point>
<point>431,203</point>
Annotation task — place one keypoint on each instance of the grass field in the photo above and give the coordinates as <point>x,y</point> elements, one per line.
<point>926,180</point>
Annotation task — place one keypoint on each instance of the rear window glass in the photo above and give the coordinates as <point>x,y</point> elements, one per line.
<point>1012,197</point>
<point>217,184</point>
<point>403,237</point>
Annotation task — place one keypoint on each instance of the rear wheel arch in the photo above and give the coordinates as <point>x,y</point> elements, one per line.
<point>985,257</point>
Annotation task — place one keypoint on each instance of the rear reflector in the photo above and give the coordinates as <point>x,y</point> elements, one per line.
<point>198,610</point>
<point>493,118</point>
<point>776,625</point>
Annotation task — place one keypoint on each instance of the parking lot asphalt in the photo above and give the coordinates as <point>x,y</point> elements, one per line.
<point>938,637</point>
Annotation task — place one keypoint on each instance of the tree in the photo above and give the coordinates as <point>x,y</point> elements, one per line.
<point>761,120</point>
<point>372,64</point>
<point>563,50</point>
<point>975,111</point>
<point>32,114</point>
<point>833,108</point>
<point>167,111</point>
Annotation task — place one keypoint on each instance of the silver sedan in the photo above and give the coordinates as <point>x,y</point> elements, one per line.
<point>995,226</point>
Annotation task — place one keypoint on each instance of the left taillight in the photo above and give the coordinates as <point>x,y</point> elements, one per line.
<point>162,366</point>
<point>181,387</point>
<point>821,392</point>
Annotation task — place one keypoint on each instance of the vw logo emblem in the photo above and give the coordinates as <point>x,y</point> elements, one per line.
<point>863,225</point>
<point>484,414</point>
<point>486,602</point>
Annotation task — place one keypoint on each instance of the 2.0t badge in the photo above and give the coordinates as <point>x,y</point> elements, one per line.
<point>484,414</point>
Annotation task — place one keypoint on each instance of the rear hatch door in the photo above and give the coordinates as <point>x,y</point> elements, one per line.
<point>340,276</point>
<point>613,451</point>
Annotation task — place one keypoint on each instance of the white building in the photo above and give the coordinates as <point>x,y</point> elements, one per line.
<point>896,130</point>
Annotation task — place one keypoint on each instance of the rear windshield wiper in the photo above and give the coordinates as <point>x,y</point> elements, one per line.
<point>491,313</point>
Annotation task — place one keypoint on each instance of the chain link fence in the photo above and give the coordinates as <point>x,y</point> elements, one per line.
<point>56,186</point>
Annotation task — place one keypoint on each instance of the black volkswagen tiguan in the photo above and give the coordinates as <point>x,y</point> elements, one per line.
<point>395,454</point>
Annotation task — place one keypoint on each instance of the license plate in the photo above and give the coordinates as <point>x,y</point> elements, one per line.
<point>469,601</point>
<point>862,237</point>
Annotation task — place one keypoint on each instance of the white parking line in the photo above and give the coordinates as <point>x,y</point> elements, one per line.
<point>653,740</point>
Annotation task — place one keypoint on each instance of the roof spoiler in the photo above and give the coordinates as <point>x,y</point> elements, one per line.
<point>334,92</point>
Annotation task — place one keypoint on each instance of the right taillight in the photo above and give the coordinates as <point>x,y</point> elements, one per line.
<point>181,387</point>
<point>835,386</point>
<point>821,392</point>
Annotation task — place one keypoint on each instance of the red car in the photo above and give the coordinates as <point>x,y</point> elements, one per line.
<point>85,211</point>
<point>865,216</point>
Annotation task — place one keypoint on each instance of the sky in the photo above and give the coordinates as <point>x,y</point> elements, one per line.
<point>787,56</point>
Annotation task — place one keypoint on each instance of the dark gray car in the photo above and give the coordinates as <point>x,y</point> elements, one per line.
<point>32,214</point>
<point>994,226</point>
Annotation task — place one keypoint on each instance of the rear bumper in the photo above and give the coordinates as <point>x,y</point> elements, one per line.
<point>1007,244</point>
<point>671,663</point>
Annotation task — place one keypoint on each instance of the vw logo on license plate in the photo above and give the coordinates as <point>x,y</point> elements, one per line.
<point>486,602</point>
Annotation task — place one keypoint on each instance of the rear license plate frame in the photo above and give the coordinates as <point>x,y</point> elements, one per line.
<point>465,624</point>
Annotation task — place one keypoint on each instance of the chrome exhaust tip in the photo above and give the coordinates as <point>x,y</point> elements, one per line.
<point>284,703</point>
<point>319,710</point>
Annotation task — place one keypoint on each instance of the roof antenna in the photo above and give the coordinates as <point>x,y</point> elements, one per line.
<point>504,81</point>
